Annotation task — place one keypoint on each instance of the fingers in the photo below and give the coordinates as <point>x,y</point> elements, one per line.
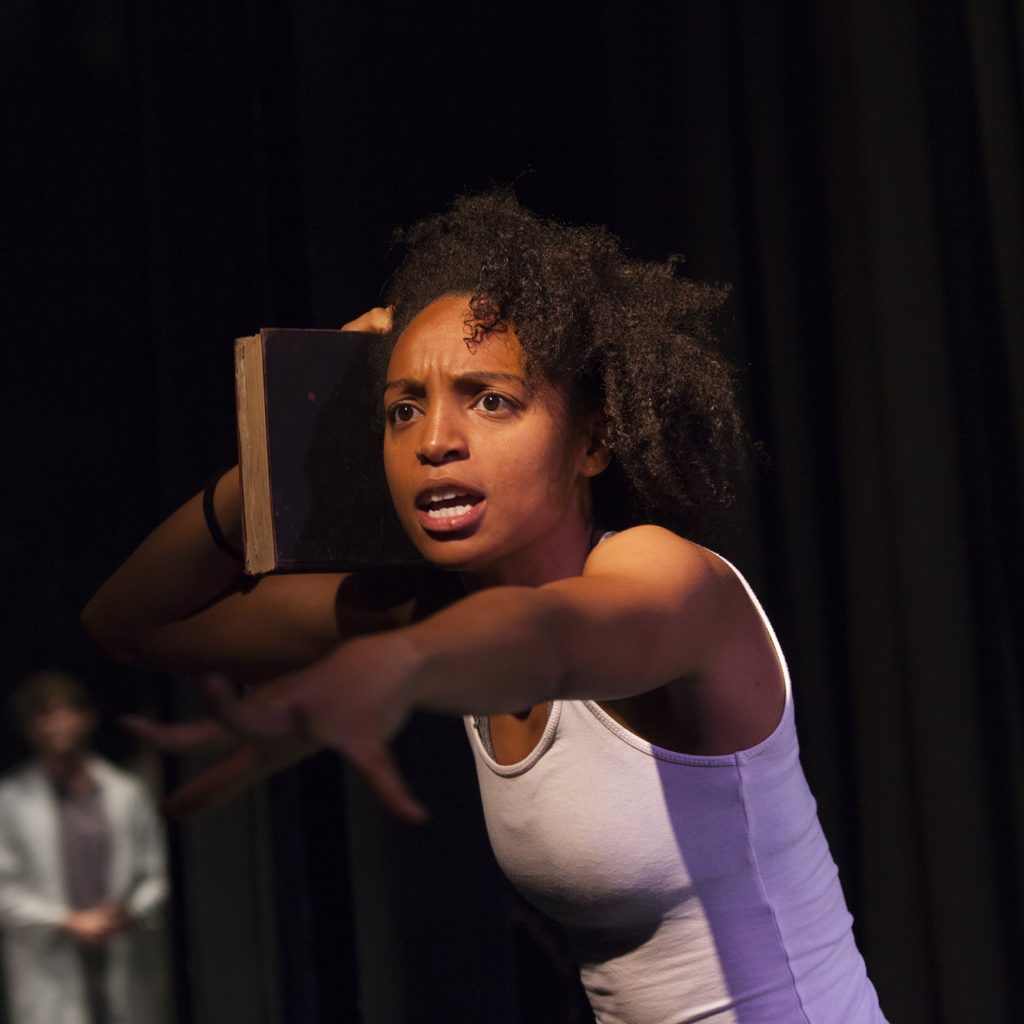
<point>232,717</point>
<point>264,719</point>
<point>374,321</point>
<point>217,785</point>
<point>280,724</point>
<point>249,764</point>
<point>277,713</point>
<point>179,737</point>
<point>115,917</point>
<point>380,771</point>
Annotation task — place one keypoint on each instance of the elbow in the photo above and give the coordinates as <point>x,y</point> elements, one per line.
<point>97,628</point>
<point>105,633</point>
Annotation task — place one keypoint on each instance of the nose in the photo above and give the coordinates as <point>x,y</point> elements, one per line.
<point>442,438</point>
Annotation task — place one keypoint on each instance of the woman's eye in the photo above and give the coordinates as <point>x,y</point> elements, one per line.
<point>401,412</point>
<point>493,403</point>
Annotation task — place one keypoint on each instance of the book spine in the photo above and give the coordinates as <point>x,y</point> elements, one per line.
<point>254,463</point>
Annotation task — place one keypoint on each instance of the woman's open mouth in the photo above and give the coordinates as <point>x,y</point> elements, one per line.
<point>447,509</point>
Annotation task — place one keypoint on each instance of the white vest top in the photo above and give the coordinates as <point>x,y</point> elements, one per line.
<point>691,888</point>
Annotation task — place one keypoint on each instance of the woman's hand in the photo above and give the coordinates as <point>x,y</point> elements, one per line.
<point>374,321</point>
<point>246,762</point>
<point>355,700</point>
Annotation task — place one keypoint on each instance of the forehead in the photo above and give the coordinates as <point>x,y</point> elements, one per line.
<point>439,336</point>
<point>57,702</point>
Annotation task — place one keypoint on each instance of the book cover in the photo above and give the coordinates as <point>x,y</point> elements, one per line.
<point>310,430</point>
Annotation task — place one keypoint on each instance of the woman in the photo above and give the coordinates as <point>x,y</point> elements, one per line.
<point>627,703</point>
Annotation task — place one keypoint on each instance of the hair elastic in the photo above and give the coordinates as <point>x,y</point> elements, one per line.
<point>216,534</point>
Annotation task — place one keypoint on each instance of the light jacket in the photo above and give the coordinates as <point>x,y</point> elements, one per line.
<point>45,984</point>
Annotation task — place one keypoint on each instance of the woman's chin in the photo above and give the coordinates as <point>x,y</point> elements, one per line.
<point>451,553</point>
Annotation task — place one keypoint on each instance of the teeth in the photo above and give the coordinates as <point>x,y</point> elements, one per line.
<point>436,496</point>
<point>448,513</point>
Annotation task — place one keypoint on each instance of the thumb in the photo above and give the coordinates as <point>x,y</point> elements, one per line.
<point>177,737</point>
<point>270,714</point>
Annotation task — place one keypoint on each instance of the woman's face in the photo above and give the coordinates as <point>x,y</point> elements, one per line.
<point>488,473</point>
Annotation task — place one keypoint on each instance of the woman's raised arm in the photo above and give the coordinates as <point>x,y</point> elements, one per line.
<point>176,602</point>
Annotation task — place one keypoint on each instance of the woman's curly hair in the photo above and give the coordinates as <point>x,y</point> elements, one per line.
<point>629,337</point>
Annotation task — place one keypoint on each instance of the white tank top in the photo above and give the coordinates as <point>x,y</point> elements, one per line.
<point>691,888</point>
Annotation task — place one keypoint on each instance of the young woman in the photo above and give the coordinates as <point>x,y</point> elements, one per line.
<point>555,414</point>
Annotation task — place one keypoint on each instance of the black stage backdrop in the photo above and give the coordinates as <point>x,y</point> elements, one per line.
<point>178,174</point>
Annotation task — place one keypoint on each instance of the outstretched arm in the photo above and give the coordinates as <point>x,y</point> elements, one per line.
<point>649,609</point>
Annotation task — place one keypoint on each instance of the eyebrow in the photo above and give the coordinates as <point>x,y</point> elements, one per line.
<point>463,380</point>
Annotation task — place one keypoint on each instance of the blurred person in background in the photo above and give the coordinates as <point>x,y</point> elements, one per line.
<point>83,874</point>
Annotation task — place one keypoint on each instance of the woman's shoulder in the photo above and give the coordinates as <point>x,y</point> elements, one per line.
<point>648,548</point>
<point>671,572</point>
<point>732,690</point>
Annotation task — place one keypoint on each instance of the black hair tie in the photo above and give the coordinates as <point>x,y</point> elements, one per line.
<point>216,534</point>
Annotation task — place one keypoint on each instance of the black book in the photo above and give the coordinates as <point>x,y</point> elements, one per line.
<point>310,433</point>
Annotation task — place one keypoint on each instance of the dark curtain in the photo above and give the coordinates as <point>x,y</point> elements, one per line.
<point>175,175</point>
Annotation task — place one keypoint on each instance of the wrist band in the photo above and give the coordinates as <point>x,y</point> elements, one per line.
<point>216,534</point>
